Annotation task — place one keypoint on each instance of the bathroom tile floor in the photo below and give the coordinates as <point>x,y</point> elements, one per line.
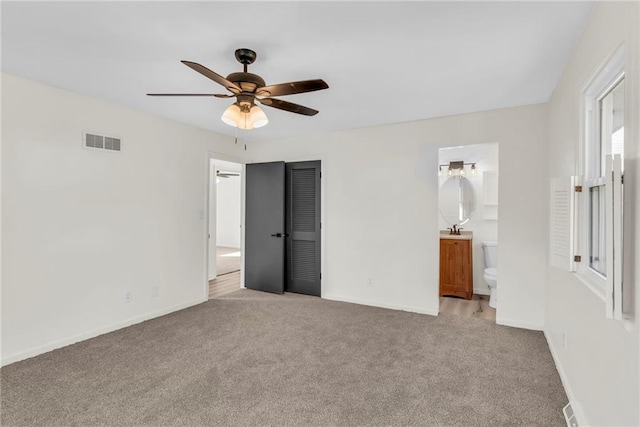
<point>477,306</point>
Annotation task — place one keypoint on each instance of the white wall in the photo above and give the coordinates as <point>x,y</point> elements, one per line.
<point>600,365</point>
<point>486,158</point>
<point>83,227</point>
<point>381,208</point>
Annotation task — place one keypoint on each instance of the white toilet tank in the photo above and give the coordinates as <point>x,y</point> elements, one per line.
<point>490,252</point>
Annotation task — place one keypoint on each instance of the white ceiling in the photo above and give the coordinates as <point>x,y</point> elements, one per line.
<point>385,62</point>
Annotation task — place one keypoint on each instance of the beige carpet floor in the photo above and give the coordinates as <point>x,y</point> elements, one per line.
<point>251,358</point>
<point>227,260</point>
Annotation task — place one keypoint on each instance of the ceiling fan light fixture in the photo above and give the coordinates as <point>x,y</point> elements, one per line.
<point>236,117</point>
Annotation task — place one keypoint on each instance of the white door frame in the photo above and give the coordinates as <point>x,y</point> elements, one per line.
<point>210,210</point>
<point>211,218</point>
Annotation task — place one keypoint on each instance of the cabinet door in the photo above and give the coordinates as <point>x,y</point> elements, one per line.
<point>455,268</point>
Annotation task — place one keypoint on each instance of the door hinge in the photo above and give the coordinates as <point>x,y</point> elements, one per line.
<point>320,276</point>
<point>577,258</point>
<point>578,188</point>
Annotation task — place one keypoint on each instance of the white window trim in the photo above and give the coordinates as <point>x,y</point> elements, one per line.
<point>602,81</point>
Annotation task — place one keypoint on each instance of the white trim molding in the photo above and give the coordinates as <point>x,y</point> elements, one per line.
<point>518,324</point>
<point>575,405</point>
<point>35,351</point>
<point>410,309</point>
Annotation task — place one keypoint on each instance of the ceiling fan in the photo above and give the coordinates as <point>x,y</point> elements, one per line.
<point>248,88</point>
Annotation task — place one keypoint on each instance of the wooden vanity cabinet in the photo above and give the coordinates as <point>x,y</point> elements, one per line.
<point>456,268</point>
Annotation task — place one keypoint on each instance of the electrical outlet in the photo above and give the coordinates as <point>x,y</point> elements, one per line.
<point>370,282</point>
<point>154,291</point>
<point>128,296</point>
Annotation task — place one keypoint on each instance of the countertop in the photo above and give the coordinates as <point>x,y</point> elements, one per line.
<point>464,235</point>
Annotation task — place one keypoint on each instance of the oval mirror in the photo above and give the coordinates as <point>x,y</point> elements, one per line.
<point>457,200</point>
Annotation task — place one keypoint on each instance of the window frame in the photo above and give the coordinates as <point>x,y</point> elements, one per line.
<point>603,82</point>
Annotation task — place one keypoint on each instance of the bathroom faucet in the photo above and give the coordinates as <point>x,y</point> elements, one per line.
<point>454,230</point>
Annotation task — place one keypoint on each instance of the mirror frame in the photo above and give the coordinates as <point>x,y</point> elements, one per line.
<point>468,194</point>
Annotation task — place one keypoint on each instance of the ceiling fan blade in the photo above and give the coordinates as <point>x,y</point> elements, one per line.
<point>292,88</point>
<point>213,76</point>
<point>288,106</point>
<point>217,95</point>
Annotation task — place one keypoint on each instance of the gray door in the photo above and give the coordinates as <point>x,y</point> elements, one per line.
<point>265,227</point>
<point>303,227</point>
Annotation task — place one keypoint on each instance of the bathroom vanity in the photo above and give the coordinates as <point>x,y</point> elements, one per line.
<point>456,264</point>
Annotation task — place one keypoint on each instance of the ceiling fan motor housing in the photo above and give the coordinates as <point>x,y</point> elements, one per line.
<point>248,82</point>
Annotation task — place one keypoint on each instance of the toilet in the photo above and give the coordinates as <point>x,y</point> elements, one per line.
<point>490,252</point>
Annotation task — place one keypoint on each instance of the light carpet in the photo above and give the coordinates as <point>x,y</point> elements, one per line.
<point>259,359</point>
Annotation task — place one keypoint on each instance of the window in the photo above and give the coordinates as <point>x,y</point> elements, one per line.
<point>600,203</point>
<point>607,139</point>
<point>586,211</point>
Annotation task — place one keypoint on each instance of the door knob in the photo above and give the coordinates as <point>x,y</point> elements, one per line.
<point>280,235</point>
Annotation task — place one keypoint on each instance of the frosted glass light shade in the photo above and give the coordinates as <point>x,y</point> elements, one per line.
<point>231,115</point>
<point>258,117</point>
<point>255,118</point>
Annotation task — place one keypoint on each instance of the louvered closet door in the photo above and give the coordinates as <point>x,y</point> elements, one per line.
<point>303,227</point>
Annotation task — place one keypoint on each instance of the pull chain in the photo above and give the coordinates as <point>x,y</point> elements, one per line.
<point>245,140</point>
<point>245,123</point>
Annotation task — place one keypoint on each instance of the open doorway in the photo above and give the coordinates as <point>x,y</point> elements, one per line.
<point>468,200</point>
<point>225,227</point>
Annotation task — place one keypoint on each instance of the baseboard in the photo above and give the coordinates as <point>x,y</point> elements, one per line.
<point>481,292</point>
<point>575,405</point>
<point>92,334</point>
<point>518,324</point>
<point>411,309</point>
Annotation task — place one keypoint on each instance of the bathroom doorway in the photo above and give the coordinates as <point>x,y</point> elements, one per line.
<point>225,227</point>
<point>468,202</point>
